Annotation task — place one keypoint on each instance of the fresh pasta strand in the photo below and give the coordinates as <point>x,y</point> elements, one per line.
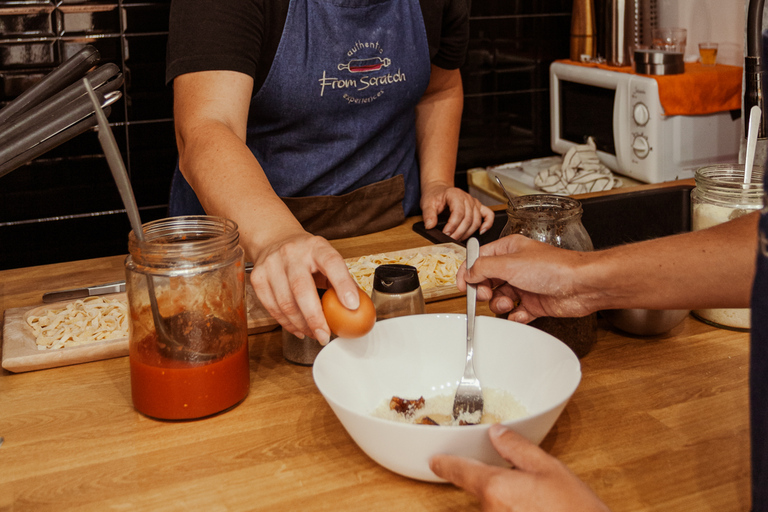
<point>80,322</point>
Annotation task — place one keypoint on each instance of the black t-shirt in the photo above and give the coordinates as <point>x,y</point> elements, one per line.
<point>243,35</point>
<point>758,371</point>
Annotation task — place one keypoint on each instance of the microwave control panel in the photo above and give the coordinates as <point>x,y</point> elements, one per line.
<point>641,111</point>
<point>640,114</point>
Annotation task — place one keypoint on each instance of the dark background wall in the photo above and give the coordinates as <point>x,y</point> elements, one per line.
<point>65,205</point>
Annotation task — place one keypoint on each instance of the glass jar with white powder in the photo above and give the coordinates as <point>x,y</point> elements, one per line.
<point>721,195</point>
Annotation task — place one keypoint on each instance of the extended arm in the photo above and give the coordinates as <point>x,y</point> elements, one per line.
<point>702,269</point>
<point>211,110</point>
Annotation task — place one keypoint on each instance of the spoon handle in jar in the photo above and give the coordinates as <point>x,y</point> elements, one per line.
<point>116,164</point>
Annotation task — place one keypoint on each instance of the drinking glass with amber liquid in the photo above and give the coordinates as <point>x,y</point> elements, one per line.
<point>708,54</point>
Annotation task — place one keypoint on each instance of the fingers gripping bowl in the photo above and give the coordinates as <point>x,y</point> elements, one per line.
<point>424,355</point>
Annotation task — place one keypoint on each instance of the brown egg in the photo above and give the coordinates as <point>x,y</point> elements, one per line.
<point>349,323</point>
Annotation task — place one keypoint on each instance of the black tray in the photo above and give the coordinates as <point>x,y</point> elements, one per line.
<point>609,220</point>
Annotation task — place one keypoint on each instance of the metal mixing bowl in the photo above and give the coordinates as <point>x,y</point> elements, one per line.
<point>645,322</point>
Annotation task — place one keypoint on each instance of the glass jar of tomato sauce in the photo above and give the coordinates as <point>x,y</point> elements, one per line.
<point>188,352</point>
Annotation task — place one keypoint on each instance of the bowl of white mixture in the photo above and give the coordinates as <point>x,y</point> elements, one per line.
<point>393,389</point>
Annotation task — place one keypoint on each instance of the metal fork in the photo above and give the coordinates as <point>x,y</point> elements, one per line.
<point>469,395</point>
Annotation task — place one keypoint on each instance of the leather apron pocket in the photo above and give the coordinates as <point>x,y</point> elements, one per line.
<point>372,208</point>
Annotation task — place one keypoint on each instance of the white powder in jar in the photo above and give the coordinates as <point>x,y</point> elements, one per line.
<point>498,406</point>
<point>708,215</point>
<point>705,216</point>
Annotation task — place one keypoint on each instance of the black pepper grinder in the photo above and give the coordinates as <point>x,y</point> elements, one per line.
<point>396,291</point>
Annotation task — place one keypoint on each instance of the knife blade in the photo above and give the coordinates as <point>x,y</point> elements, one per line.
<point>88,291</point>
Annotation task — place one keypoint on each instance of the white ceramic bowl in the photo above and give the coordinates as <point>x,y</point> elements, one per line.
<point>424,355</point>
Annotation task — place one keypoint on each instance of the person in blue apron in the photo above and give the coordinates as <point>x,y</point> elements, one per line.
<point>525,279</point>
<point>305,121</point>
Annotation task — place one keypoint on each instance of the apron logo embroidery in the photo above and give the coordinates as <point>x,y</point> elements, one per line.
<point>361,66</point>
<point>360,69</point>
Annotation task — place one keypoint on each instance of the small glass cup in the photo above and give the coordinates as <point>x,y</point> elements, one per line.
<point>670,39</point>
<point>301,351</point>
<point>708,54</point>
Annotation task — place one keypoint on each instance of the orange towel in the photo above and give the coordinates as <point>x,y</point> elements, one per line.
<point>700,90</point>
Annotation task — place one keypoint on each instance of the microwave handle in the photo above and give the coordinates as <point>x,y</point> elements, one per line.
<point>621,117</point>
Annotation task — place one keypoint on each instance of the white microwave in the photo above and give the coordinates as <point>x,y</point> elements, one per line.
<point>623,114</point>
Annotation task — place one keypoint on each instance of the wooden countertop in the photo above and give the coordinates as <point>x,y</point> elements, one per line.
<point>657,423</point>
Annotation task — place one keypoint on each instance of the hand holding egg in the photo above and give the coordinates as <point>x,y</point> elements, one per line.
<point>348,323</point>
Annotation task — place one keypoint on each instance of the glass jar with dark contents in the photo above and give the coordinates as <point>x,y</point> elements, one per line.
<point>555,220</point>
<point>189,355</point>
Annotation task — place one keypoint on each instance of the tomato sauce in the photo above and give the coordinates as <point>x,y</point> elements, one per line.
<point>174,389</point>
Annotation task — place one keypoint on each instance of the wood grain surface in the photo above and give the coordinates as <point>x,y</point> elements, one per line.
<point>658,423</point>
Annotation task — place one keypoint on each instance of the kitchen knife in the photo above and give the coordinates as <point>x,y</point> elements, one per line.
<point>79,293</point>
<point>101,289</point>
<point>30,145</point>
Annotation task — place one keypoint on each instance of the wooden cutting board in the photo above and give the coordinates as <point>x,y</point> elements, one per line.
<point>20,352</point>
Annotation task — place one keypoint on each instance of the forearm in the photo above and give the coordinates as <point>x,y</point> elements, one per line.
<point>701,269</point>
<point>438,121</point>
<point>210,110</point>
<point>230,183</point>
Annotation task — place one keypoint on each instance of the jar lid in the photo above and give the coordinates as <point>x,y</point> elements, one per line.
<point>395,278</point>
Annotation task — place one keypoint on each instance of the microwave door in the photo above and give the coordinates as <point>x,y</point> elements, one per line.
<point>586,102</point>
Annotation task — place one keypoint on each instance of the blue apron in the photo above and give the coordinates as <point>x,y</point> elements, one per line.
<point>336,112</point>
<point>758,372</point>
